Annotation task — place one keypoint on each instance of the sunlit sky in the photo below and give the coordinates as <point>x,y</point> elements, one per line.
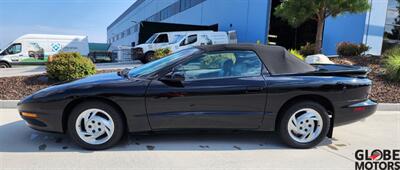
<point>70,17</point>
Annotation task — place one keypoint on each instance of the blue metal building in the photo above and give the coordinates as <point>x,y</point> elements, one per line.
<point>250,19</point>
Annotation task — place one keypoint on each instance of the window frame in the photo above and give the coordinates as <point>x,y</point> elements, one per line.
<point>261,73</point>
<point>183,42</point>
<point>159,36</point>
<point>11,46</point>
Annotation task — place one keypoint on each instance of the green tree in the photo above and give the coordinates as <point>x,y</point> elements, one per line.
<point>296,12</point>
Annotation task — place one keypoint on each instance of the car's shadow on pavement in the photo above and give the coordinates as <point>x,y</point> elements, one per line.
<point>17,137</point>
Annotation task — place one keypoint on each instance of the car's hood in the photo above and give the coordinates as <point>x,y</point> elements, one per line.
<point>98,78</point>
<point>84,83</point>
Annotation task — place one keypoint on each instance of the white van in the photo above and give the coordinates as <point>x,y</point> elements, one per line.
<point>176,41</point>
<point>35,48</point>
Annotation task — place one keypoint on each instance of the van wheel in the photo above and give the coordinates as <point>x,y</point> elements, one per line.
<point>4,65</point>
<point>304,125</point>
<point>148,57</point>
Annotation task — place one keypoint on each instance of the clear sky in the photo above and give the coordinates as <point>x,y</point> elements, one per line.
<point>71,17</point>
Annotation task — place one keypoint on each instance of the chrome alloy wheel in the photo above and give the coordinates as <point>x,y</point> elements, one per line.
<point>94,126</point>
<point>305,125</point>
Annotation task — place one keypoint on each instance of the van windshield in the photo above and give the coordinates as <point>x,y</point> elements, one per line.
<point>151,39</point>
<point>159,64</point>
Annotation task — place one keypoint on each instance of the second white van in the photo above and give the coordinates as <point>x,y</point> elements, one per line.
<point>177,41</point>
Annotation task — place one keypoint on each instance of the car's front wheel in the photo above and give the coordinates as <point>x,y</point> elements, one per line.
<point>95,125</point>
<point>304,125</point>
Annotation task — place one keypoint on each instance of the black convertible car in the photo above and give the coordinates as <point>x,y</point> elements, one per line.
<point>242,87</point>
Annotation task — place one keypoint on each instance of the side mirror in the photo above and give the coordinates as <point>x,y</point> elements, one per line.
<point>174,77</point>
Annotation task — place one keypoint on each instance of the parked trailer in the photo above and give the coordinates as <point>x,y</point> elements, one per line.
<point>36,48</point>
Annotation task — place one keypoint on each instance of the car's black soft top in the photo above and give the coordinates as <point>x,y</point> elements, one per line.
<point>277,59</point>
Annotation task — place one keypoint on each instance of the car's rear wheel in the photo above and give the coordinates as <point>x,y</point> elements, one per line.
<point>304,125</point>
<point>95,125</point>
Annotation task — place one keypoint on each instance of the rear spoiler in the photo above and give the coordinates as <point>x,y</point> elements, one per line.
<point>339,70</point>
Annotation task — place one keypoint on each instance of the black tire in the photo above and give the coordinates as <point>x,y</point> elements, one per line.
<point>4,65</point>
<point>112,112</point>
<point>283,124</point>
<point>148,57</point>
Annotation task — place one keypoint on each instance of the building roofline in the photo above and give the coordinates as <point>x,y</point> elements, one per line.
<point>130,9</point>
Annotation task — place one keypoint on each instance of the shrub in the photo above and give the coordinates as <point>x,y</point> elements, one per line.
<point>392,64</point>
<point>308,49</point>
<point>69,66</point>
<point>392,51</point>
<point>160,53</point>
<point>297,54</point>
<point>348,49</point>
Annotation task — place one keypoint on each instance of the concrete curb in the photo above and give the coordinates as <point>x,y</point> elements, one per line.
<point>12,104</point>
<point>389,107</point>
<point>8,104</point>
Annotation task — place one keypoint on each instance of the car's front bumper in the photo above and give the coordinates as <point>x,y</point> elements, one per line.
<point>47,118</point>
<point>354,112</point>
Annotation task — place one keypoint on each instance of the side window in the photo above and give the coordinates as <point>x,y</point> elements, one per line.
<point>162,38</point>
<point>221,65</point>
<point>14,49</point>
<point>191,39</point>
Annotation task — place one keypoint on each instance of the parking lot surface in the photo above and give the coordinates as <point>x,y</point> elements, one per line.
<point>24,148</point>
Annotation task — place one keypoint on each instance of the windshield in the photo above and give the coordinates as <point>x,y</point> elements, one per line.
<point>177,38</point>
<point>161,63</point>
<point>151,39</point>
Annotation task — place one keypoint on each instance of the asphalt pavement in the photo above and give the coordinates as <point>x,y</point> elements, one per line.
<point>24,148</point>
<point>25,70</point>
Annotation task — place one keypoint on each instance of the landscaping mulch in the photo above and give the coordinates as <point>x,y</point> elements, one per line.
<point>15,88</point>
<point>383,90</point>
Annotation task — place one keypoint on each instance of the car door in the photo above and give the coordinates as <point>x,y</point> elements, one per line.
<point>14,52</point>
<point>216,90</point>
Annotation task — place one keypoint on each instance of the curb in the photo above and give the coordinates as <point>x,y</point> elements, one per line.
<point>12,104</point>
<point>8,104</point>
<point>388,107</point>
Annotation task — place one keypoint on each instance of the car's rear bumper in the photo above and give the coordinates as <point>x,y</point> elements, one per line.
<point>354,112</point>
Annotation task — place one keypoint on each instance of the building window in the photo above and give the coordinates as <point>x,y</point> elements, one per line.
<point>186,4</point>
<point>156,17</point>
<point>128,31</point>
<point>392,26</point>
<point>170,10</point>
<point>135,28</point>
